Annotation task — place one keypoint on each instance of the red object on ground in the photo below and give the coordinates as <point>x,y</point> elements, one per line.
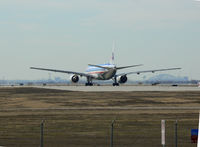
<point>194,138</point>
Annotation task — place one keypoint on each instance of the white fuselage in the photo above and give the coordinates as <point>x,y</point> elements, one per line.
<point>102,73</point>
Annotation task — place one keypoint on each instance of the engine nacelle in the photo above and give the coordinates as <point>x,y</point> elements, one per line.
<point>74,78</point>
<point>122,79</point>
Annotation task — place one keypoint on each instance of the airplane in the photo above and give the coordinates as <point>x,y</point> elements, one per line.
<point>103,72</point>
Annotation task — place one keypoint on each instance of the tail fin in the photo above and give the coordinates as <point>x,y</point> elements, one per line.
<point>113,55</point>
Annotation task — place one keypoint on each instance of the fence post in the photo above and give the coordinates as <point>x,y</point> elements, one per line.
<point>111,136</point>
<point>41,134</point>
<point>163,133</point>
<point>176,133</point>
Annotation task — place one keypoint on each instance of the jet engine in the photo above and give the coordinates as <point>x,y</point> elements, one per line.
<point>122,79</point>
<point>74,78</point>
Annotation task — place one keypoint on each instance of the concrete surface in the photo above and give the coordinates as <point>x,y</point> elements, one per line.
<point>123,88</point>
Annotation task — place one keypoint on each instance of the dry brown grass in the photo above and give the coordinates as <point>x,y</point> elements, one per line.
<point>74,128</point>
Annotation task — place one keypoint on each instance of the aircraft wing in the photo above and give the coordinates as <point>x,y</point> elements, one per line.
<point>145,71</point>
<point>64,71</point>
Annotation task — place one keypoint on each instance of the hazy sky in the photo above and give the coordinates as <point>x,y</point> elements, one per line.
<point>69,34</point>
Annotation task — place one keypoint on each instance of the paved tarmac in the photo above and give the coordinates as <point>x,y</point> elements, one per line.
<point>124,88</point>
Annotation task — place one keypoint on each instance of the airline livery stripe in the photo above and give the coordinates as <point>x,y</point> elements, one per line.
<point>96,72</point>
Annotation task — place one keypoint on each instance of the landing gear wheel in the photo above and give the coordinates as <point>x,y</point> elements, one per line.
<point>88,84</point>
<point>115,84</point>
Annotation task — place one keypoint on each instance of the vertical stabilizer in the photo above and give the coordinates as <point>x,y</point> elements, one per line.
<point>198,142</point>
<point>113,55</point>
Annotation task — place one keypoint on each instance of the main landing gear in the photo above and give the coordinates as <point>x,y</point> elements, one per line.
<point>115,81</point>
<point>115,84</point>
<point>89,82</point>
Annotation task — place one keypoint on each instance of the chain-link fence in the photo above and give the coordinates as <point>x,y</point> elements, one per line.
<point>93,128</point>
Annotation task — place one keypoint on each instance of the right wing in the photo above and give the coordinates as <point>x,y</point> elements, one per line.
<point>64,71</point>
<point>138,72</point>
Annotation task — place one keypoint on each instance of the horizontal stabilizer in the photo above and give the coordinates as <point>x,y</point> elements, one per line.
<point>99,66</point>
<point>129,66</point>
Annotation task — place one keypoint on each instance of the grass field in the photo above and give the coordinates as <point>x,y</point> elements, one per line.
<point>23,109</point>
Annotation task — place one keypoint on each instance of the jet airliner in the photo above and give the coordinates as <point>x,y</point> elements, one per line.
<point>103,72</point>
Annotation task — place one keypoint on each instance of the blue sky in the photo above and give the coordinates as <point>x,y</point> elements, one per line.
<point>69,34</point>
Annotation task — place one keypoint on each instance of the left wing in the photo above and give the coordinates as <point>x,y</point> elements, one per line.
<point>153,71</point>
<point>64,71</point>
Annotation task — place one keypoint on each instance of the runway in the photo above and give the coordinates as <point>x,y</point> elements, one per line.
<point>123,88</point>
